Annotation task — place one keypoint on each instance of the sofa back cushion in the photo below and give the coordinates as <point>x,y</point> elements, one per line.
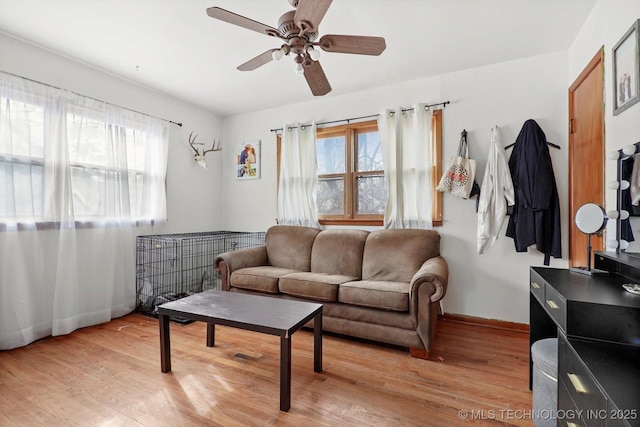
<point>339,252</point>
<point>289,246</point>
<point>396,255</point>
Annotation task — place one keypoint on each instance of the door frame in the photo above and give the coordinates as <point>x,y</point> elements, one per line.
<point>596,61</point>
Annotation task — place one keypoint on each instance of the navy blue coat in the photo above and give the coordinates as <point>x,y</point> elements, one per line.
<point>535,218</point>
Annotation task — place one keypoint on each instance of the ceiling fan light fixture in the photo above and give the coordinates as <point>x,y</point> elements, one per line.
<point>313,53</point>
<point>299,69</point>
<point>277,54</point>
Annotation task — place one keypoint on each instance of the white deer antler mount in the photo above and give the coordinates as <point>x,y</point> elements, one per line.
<point>199,157</point>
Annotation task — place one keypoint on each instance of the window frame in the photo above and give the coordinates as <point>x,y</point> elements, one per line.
<point>350,131</point>
<point>436,167</point>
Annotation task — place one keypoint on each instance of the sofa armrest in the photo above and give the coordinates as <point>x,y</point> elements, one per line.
<point>434,271</point>
<point>228,262</point>
<point>428,286</point>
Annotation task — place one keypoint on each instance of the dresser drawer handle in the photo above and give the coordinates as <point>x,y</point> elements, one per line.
<point>535,285</point>
<point>552,304</point>
<point>577,384</point>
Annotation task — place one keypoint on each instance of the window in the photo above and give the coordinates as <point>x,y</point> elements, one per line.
<point>64,157</point>
<point>21,159</point>
<point>98,175</point>
<point>350,174</point>
<point>351,186</point>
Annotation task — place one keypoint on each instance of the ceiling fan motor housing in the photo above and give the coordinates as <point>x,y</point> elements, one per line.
<point>288,28</point>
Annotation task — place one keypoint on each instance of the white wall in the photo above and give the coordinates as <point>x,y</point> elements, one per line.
<point>193,193</point>
<point>604,27</point>
<point>493,285</point>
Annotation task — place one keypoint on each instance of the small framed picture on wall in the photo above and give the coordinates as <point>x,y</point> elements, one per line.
<point>248,160</point>
<point>626,70</point>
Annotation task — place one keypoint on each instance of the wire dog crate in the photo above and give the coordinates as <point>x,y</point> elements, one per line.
<point>173,266</point>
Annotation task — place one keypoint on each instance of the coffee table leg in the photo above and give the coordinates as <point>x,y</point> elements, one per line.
<point>211,334</point>
<point>317,343</point>
<point>165,343</point>
<point>285,372</point>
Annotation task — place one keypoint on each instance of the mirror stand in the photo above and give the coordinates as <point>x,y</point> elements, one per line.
<point>588,270</point>
<point>590,219</point>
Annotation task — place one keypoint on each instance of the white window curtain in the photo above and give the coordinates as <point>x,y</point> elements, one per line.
<point>406,149</point>
<point>76,175</point>
<point>298,176</point>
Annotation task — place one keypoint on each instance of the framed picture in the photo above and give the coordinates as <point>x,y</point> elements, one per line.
<point>248,160</point>
<point>626,69</point>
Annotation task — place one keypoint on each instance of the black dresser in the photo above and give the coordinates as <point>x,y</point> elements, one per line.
<point>597,324</point>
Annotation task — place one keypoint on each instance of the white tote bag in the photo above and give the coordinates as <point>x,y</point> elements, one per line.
<point>459,175</point>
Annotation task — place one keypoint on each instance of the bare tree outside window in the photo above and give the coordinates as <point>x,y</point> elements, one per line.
<point>371,193</point>
<point>350,173</point>
<point>331,158</point>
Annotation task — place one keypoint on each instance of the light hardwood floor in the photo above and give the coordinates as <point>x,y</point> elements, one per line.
<point>109,375</point>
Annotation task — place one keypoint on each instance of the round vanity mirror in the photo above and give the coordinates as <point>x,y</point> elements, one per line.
<point>591,218</point>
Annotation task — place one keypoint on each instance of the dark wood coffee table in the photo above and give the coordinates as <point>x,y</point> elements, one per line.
<point>267,315</point>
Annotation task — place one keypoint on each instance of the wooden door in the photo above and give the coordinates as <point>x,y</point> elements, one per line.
<point>586,153</point>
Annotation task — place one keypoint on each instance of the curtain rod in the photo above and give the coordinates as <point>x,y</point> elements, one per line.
<point>426,108</point>
<point>94,99</point>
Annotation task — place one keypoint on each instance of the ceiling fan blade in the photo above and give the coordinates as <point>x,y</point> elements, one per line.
<point>258,61</point>
<point>316,79</point>
<point>309,13</point>
<point>361,45</point>
<point>241,21</point>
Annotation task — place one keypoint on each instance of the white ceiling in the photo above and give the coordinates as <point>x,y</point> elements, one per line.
<point>173,46</point>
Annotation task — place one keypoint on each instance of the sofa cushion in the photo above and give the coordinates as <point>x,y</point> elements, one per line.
<point>374,316</point>
<point>289,246</point>
<point>396,255</point>
<point>261,279</point>
<point>384,295</point>
<point>339,252</point>
<point>315,286</point>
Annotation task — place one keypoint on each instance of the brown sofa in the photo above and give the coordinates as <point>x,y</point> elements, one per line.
<point>382,285</point>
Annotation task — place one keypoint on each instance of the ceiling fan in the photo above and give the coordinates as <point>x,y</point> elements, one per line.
<point>299,30</point>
